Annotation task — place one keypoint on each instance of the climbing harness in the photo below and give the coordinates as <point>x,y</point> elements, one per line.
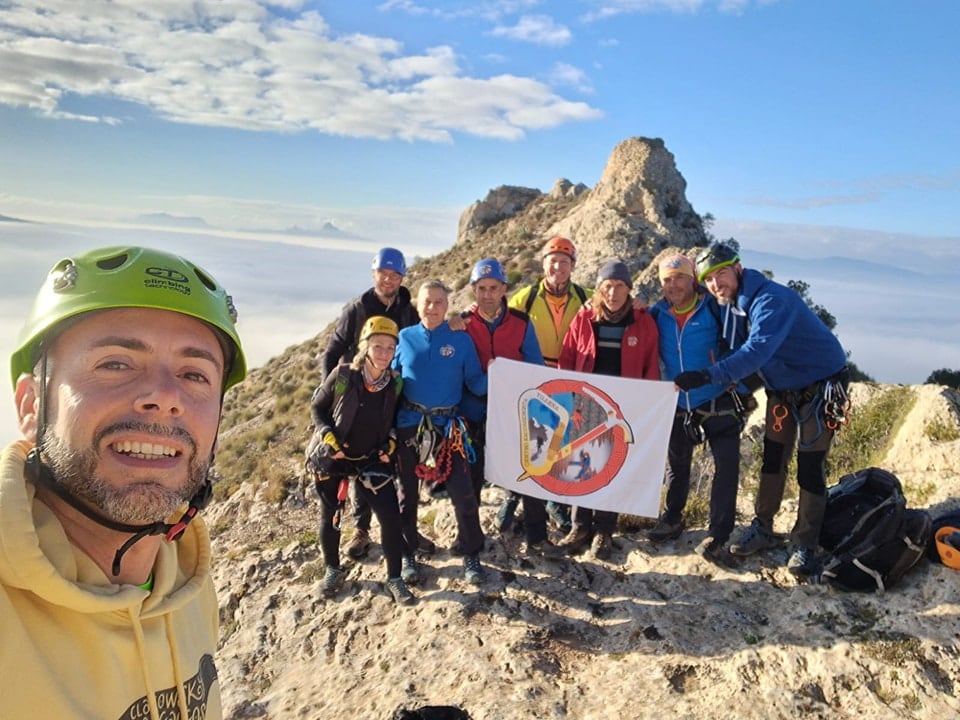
<point>826,402</point>
<point>456,439</point>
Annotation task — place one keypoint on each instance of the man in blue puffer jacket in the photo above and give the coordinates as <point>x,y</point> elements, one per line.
<point>689,337</point>
<point>803,368</point>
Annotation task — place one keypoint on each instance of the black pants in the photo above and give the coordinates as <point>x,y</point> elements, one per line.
<point>459,486</point>
<point>534,509</point>
<point>385,506</point>
<point>722,434</point>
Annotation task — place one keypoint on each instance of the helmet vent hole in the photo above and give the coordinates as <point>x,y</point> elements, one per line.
<point>112,263</point>
<point>205,279</point>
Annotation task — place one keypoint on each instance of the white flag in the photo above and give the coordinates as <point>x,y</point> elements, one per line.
<point>590,440</point>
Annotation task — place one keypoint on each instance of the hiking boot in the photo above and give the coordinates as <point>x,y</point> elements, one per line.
<point>559,515</point>
<point>544,549</point>
<point>576,541</point>
<point>425,545</point>
<point>753,539</point>
<point>713,551</point>
<point>507,513</point>
<point>400,592</point>
<point>359,544</point>
<point>332,581</point>
<point>803,562</point>
<point>409,572</point>
<point>456,550</point>
<point>472,570</point>
<point>665,530</point>
<point>602,546</point>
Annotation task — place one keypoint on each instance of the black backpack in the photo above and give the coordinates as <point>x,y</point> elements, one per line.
<point>870,537</point>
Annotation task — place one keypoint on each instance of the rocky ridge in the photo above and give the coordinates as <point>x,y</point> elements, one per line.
<point>656,630</point>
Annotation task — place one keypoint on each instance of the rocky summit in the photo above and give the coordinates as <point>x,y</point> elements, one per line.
<point>655,631</point>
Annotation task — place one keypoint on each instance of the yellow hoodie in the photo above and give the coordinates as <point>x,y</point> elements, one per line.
<point>73,645</point>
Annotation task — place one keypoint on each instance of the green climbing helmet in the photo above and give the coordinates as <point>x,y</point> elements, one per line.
<point>116,277</point>
<point>718,255</point>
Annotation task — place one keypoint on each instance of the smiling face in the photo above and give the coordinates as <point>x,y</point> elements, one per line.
<point>380,350</point>
<point>133,405</point>
<point>724,283</point>
<point>432,306</point>
<point>679,289</point>
<point>386,285</point>
<point>556,270</point>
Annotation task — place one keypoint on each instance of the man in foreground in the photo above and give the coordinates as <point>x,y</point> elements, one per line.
<point>107,608</point>
<point>551,305</point>
<point>803,368</point>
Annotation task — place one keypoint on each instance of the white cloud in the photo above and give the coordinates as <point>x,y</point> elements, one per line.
<point>566,74</point>
<point>604,9</point>
<point>536,29</point>
<point>241,64</point>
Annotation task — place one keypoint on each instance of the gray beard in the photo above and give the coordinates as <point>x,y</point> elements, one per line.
<point>141,502</point>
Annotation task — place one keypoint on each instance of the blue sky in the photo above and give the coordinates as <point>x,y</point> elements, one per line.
<point>257,115</point>
<point>809,129</point>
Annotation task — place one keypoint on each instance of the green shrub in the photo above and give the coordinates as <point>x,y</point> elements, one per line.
<point>865,440</point>
<point>940,431</point>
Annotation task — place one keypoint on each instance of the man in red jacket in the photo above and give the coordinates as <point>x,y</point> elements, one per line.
<point>501,331</point>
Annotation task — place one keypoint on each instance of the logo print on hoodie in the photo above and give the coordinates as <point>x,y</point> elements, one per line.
<point>196,689</point>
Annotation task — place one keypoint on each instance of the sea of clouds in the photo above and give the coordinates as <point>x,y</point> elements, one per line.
<point>895,303</point>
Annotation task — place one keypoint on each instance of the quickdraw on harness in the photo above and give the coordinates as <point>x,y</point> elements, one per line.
<point>826,401</point>
<point>836,404</point>
<point>435,466</point>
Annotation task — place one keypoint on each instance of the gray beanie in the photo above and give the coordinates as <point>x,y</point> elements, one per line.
<point>614,270</point>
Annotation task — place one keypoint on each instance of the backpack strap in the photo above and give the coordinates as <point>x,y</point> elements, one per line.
<point>531,297</point>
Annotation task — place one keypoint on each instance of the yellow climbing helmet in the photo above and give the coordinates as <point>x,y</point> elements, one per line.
<point>117,277</point>
<point>379,325</point>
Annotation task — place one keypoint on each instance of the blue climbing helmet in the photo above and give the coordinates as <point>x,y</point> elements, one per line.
<point>488,269</point>
<point>389,259</point>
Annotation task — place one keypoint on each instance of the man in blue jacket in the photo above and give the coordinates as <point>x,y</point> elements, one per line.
<point>436,363</point>
<point>689,337</point>
<point>803,368</point>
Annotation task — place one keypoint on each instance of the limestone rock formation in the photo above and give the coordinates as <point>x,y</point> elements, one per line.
<point>638,208</point>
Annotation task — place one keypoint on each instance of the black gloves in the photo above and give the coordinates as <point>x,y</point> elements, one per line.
<point>692,379</point>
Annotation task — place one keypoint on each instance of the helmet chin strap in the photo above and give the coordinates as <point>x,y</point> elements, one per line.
<point>40,474</point>
<point>37,472</point>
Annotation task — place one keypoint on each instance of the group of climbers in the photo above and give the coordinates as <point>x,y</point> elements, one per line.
<point>719,332</point>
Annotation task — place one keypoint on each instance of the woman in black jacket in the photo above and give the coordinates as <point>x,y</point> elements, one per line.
<point>353,413</point>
